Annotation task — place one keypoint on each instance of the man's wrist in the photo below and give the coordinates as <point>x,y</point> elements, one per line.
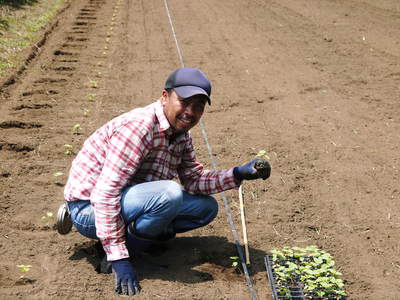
<point>237,175</point>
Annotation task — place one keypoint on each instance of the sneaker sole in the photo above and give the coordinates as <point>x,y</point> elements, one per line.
<point>64,223</point>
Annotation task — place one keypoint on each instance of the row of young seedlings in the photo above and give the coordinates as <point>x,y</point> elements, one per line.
<point>76,129</point>
<point>93,84</point>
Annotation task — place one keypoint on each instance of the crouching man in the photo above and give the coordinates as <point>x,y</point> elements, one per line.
<point>120,189</point>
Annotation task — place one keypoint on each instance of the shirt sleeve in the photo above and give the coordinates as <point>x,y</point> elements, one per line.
<point>197,180</point>
<point>126,150</point>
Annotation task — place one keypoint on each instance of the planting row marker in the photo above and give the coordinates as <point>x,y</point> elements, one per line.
<point>243,218</point>
<point>214,165</point>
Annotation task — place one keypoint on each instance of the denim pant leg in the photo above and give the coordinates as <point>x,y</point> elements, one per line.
<point>196,211</point>
<point>155,207</point>
<point>162,206</point>
<point>151,206</point>
<point>82,216</point>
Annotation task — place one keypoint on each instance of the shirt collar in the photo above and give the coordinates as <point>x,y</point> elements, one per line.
<point>162,119</point>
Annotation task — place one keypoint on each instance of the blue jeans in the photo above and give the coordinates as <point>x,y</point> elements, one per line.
<point>155,208</point>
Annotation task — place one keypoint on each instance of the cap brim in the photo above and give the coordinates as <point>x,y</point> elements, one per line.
<point>190,91</point>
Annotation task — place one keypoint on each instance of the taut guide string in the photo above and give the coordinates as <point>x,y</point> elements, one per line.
<point>214,165</point>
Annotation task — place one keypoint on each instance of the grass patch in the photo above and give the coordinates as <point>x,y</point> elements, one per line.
<point>20,24</point>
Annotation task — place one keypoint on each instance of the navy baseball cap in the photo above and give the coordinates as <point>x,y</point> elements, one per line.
<point>188,82</point>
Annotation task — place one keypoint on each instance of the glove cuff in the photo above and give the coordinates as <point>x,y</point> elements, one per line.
<point>119,261</point>
<point>236,174</point>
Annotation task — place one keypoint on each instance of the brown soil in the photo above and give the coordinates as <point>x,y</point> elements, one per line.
<point>313,82</point>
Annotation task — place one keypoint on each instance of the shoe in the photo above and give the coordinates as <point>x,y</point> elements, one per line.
<point>64,222</point>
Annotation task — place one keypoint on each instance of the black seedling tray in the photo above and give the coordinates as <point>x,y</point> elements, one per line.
<point>296,290</point>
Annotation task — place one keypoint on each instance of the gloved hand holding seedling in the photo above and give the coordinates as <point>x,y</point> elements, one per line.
<point>257,168</point>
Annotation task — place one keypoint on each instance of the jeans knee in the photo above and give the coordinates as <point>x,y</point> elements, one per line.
<point>173,196</point>
<point>212,208</point>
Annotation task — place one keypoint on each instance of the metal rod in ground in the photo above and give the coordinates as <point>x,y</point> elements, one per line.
<point>243,217</point>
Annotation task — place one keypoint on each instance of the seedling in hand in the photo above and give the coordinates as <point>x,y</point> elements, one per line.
<point>262,166</point>
<point>262,154</point>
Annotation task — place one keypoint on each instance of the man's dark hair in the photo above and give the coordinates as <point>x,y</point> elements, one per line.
<point>169,91</point>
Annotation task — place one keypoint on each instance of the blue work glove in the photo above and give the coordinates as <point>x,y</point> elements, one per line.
<point>257,168</point>
<point>125,278</point>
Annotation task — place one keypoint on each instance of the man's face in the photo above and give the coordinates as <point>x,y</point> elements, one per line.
<point>182,114</point>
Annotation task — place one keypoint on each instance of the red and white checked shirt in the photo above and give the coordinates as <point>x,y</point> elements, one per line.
<point>134,148</point>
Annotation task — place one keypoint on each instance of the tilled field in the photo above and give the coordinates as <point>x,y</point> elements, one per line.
<point>315,83</point>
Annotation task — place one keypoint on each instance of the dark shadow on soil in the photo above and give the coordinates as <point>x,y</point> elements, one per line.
<point>188,260</point>
<point>90,251</point>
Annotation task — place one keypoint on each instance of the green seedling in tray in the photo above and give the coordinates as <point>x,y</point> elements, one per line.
<point>309,267</point>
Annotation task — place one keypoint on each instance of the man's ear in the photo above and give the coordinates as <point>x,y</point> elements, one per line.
<point>164,97</point>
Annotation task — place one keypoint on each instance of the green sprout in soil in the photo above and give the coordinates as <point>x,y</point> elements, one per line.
<point>86,112</point>
<point>91,97</point>
<point>309,267</point>
<point>57,175</point>
<point>49,215</point>
<point>93,84</point>
<point>69,149</point>
<point>235,261</point>
<point>23,269</point>
<point>76,129</point>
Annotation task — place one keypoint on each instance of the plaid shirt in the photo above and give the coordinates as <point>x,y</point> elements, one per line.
<point>130,149</point>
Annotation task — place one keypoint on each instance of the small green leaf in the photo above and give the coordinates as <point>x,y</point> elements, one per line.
<point>91,97</point>
<point>24,268</point>
<point>76,128</point>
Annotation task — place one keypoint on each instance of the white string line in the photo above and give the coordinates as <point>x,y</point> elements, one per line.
<point>173,33</point>
<point>214,165</point>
